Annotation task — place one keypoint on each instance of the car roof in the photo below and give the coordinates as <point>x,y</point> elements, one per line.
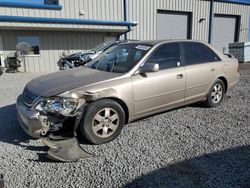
<point>155,42</point>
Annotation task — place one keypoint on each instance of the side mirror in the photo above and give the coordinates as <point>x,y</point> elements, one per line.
<point>149,67</point>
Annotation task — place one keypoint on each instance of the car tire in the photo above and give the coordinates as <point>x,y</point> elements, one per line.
<point>66,66</point>
<point>102,121</point>
<point>216,94</point>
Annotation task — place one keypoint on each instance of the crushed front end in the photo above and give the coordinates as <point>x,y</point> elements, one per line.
<point>39,116</point>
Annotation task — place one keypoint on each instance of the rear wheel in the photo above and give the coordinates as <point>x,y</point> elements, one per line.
<point>216,94</point>
<point>103,121</point>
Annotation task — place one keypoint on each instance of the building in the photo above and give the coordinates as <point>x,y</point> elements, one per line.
<point>53,26</point>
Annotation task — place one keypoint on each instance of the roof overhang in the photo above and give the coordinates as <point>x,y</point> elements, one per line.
<point>61,27</point>
<point>4,18</point>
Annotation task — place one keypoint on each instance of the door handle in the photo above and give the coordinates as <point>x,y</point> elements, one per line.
<point>179,76</point>
<point>213,69</point>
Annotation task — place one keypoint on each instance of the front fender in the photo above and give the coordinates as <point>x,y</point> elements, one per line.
<point>90,96</point>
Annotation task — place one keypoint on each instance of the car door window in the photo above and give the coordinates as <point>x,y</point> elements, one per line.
<point>197,53</point>
<point>167,56</point>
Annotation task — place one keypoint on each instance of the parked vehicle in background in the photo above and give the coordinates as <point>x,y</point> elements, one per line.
<point>81,58</point>
<point>126,82</point>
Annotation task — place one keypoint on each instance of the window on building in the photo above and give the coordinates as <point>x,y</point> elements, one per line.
<point>29,44</point>
<point>51,2</point>
<point>39,4</point>
<point>197,53</point>
<point>167,56</point>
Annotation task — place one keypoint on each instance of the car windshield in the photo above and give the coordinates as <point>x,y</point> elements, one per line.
<point>100,47</point>
<point>120,58</point>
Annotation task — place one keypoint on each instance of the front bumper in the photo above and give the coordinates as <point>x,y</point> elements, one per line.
<point>28,119</point>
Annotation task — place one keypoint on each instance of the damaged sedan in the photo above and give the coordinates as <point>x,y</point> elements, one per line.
<point>127,82</point>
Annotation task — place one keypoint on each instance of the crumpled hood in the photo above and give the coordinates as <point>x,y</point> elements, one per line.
<point>59,82</point>
<point>77,55</point>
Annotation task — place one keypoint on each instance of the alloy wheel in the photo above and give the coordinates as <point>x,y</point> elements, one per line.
<point>216,93</point>
<point>105,122</point>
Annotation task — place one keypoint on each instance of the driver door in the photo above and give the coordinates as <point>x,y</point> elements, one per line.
<point>161,90</point>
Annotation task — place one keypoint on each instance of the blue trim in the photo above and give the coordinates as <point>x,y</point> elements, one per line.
<point>64,21</point>
<point>241,2</point>
<point>30,5</point>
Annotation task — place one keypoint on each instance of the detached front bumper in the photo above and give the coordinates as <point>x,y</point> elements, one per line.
<point>28,119</point>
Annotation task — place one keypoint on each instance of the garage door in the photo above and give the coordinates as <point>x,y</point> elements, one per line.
<point>224,32</point>
<point>173,25</point>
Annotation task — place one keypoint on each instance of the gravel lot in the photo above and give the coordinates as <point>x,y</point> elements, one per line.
<point>188,147</point>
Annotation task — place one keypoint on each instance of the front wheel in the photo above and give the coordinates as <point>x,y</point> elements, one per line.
<point>103,121</point>
<point>216,94</point>
<point>66,66</point>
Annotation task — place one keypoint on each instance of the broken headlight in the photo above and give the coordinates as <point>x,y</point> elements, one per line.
<point>63,106</point>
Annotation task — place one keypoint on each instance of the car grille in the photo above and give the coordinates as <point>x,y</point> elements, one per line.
<point>28,97</point>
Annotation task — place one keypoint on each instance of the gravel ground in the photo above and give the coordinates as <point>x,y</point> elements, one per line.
<point>191,146</point>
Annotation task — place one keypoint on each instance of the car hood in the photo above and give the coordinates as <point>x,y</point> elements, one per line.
<point>59,82</point>
<point>77,55</point>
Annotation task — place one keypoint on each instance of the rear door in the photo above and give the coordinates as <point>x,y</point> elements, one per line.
<point>164,89</point>
<point>200,64</point>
